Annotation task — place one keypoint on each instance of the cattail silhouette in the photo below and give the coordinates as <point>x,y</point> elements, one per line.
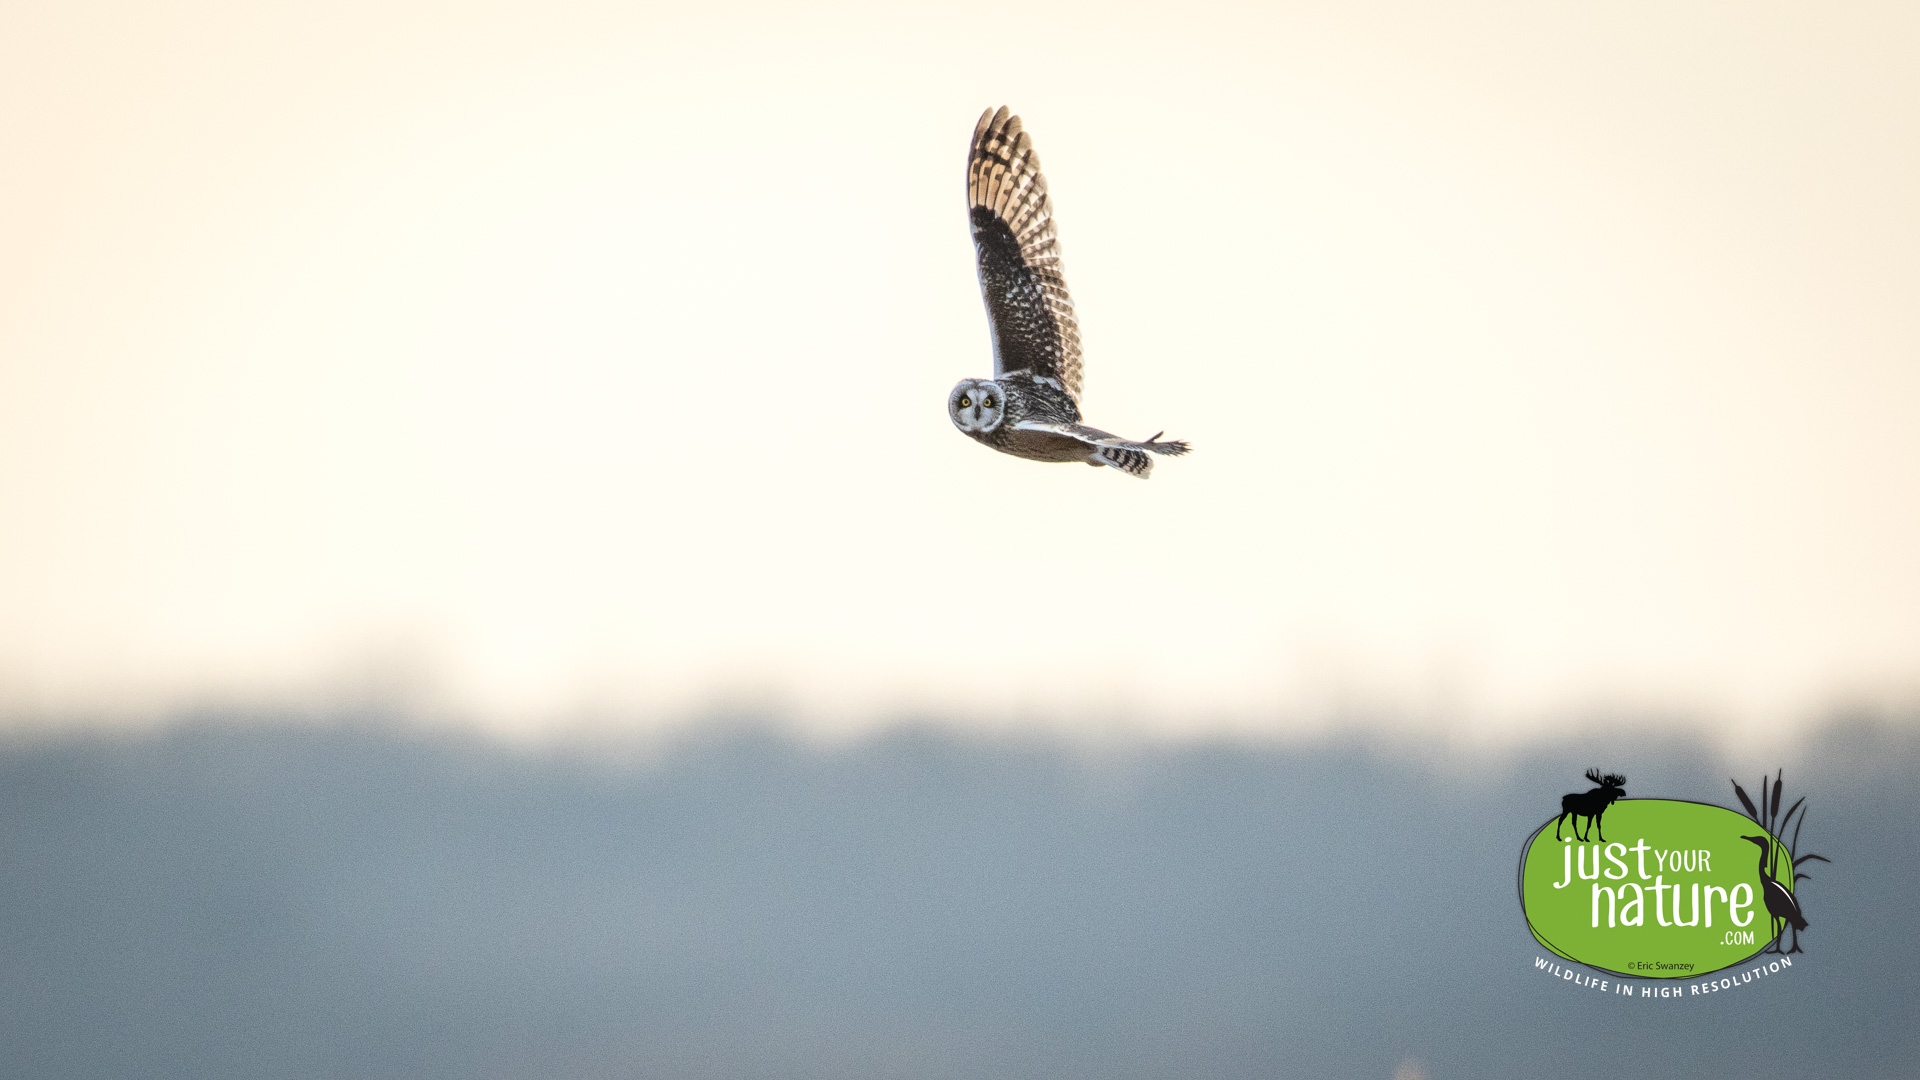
<point>1781,902</point>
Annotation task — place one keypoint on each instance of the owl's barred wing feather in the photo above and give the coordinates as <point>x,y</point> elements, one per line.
<point>1028,308</point>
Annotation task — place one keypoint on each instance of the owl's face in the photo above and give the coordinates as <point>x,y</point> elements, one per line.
<point>977,405</point>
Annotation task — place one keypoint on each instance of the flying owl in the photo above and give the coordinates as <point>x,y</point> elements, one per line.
<point>1031,406</point>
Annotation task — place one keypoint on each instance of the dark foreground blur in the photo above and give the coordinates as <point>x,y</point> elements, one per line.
<point>230,900</point>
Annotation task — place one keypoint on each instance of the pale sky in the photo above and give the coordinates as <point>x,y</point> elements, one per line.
<point>587,363</point>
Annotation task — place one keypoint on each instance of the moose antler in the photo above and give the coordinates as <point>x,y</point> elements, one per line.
<point>1594,775</point>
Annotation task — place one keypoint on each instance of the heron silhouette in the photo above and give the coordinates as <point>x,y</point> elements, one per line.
<point>1780,902</point>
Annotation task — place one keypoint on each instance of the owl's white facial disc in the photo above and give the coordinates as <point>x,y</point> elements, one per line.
<point>976,405</point>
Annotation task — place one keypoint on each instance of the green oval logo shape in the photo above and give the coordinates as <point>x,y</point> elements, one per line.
<point>1678,890</point>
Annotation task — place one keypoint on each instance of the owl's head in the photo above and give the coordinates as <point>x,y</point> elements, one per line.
<point>977,405</point>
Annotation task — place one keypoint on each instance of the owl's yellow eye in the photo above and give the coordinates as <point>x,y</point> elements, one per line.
<point>988,403</point>
<point>966,403</point>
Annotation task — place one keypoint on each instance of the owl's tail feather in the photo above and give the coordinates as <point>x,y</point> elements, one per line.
<point>1127,460</point>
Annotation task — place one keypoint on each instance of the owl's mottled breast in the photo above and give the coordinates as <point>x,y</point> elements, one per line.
<point>1038,401</point>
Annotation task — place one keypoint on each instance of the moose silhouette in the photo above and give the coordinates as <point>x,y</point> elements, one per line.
<point>1590,804</point>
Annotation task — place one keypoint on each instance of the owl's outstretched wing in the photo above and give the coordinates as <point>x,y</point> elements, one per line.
<point>1133,458</point>
<point>1028,308</point>
<point>1093,436</point>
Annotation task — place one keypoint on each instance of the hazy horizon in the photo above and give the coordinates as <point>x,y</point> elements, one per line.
<point>248,896</point>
